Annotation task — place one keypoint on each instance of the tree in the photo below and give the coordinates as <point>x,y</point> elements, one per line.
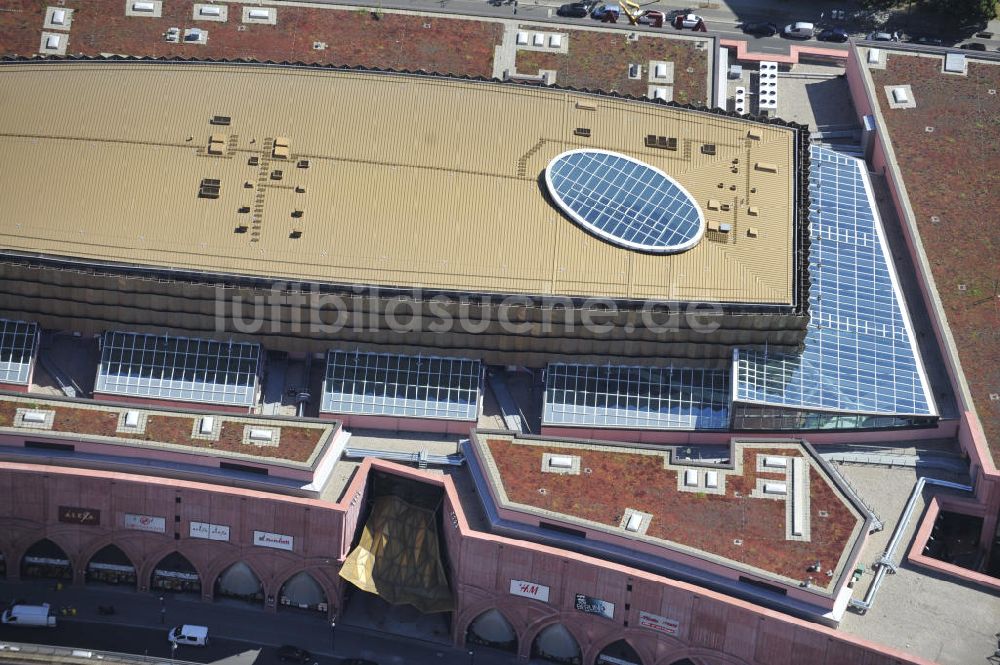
<point>965,12</point>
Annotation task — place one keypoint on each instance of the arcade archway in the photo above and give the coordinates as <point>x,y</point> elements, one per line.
<point>239,582</point>
<point>175,573</point>
<point>302,591</point>
<point>557,645</point>
<point>618,653</point>
<point>46,560</point>
<point>110,565</point>
<point>492,629</point>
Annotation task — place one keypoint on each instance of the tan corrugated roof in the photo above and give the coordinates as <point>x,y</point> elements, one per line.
<point>412,182</point>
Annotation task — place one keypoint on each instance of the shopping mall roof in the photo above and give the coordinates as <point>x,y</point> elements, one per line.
<point>772,511</point>
<point>361,178</point>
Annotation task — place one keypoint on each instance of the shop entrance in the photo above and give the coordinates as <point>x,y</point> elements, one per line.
<point>618,653</point>
<point>556,644</point>
<point>176,574</point>
<point>46,560</point>
<point>110,565</point>
<point>398,565</point>
<point>239,582</point>
<point>491,629</point>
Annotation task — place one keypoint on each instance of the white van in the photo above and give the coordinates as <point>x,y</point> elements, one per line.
<point>195,636</point>
<point>799,30</point>
<point>29,615</point>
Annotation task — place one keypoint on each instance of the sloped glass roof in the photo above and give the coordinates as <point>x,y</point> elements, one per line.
<point>636,397</point>
<point>624,201</point>
<point>17,350</point>
<point>860,355</point>
<point>389,384</point>
<point>178,368</point>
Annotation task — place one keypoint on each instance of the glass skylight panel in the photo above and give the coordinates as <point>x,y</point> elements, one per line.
<point>387,384</point>
<point>624,201</point>
<point>636,397</point>
<point>17,349</point>
<point>860,355</point>
<point>178,368</point>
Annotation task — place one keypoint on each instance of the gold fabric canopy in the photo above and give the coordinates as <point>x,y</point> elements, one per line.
<point>398,557</point>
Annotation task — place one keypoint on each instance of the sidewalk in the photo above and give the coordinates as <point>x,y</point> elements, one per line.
<point>236,621</point>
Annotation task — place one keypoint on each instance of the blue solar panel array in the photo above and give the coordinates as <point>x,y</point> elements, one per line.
<point>387,384</point>
<point>17,350</point>
<point>860,355</point>
<point>636,397</point>
<point>178,368</point>
<point>624,201</point>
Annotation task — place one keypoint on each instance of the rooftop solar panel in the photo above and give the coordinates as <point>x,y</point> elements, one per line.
<point>860,355</point>
<point>178,368</point>
<point>624,201</point>
<point>17,350</point>
<point>387,384</point>
<point>636,397</point>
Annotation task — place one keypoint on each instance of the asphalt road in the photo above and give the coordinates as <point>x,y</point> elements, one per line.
<point>144,641</point>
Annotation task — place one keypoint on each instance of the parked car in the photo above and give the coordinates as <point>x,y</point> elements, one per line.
<point>689,21</point>
<point>674,13</point>
<point>974,46</point>
<point>760,29</point>
<point>189,634</point>
<point>294,654</point>
<point>928,40</point>
<point>573,10</point>
<point>879,36</point>
<point>653,18</point>
<point>600,11</point>
<point>800,30</point>
<point>833,35</point>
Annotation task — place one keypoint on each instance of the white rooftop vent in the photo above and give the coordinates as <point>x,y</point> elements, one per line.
<point>691,478</point>
<point>899,96</point>
<point>874,55</point>
<point>261,434</point>
<point>779,462</point>
<point>131,419</point>
<point>260,14</point>
<point>660,71</point>
<point>143,7</point>
<point>538,39</point>
<point>775,488</point>
<point>210,11</point>
<point>207,425</point>
<point>561,462</point>
<point>52,42</point>
<point>712,479</point>
<point>33,416</point>
<point>555,41</point>
<point>522,38</point>
<point>660,93</point>
<point>58,16</point>
<point>955,63</point>
<point>634,522</point>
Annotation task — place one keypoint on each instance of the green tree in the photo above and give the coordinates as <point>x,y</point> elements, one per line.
<point>965,12</point>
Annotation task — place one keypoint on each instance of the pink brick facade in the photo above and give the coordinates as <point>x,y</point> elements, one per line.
<point>712,628</point>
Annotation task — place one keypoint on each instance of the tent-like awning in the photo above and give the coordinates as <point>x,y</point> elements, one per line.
<point>398,557</point>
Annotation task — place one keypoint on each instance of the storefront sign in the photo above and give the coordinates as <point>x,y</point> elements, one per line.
<point>74,515</point>
<point>145,523</point>
<point>595,606</point>
<point>275,540</point>
<point>529,590</point>
<point>209,531</point>
<point>612,660</point>
<point>658,623</point>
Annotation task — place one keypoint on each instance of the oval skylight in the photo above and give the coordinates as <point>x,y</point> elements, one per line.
<point>624,201</point>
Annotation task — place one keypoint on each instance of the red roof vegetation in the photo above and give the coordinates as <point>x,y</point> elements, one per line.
<point>951,174</point>
<point>599,60</point>
<point>296,444</point>
<point>354,37</point>
<point>620,479</point>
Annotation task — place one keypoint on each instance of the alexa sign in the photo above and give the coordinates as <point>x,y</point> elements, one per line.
<point>209,531</point>
<point>274,540</point>
<point>145,523</point>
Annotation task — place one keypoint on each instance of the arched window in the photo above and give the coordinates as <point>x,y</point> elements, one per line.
<point>239,582</point>
<point>47,560</point>
<point>175,573</point>
<point>618,653</point>
<point>492,629</point>
<point>302,591</point>
<point>557,645</point>
<point>110,565</point>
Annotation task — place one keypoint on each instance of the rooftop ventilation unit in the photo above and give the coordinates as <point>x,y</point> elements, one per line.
<point>52,42</point>
<point>209,189</point>
<point>708,149</point>
<point>662,142</point>
<point>303,164</point>
<point>256,434</point>
<point>276,175</point>
<point>210,11</point>
<point>207,425</point>
<point>143,7</point>
<point>899,96</point>
<point>874,55</point>
<point>132,419</point>
<point>538,39</point>
<point>561,462</point>
<point>220,120</point>
<point>259,14</point>
<point>58,17</point>
<point>633,523</point>
<point>555,41</point>
<point>33,417</point>
<point>582,131</point>
<point>522,39</point>
<point>295,234</point>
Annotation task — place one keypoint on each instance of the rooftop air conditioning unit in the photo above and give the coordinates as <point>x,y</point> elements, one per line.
<point>210,11</point>
<point>143,7</point>
<point>259,14</point>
